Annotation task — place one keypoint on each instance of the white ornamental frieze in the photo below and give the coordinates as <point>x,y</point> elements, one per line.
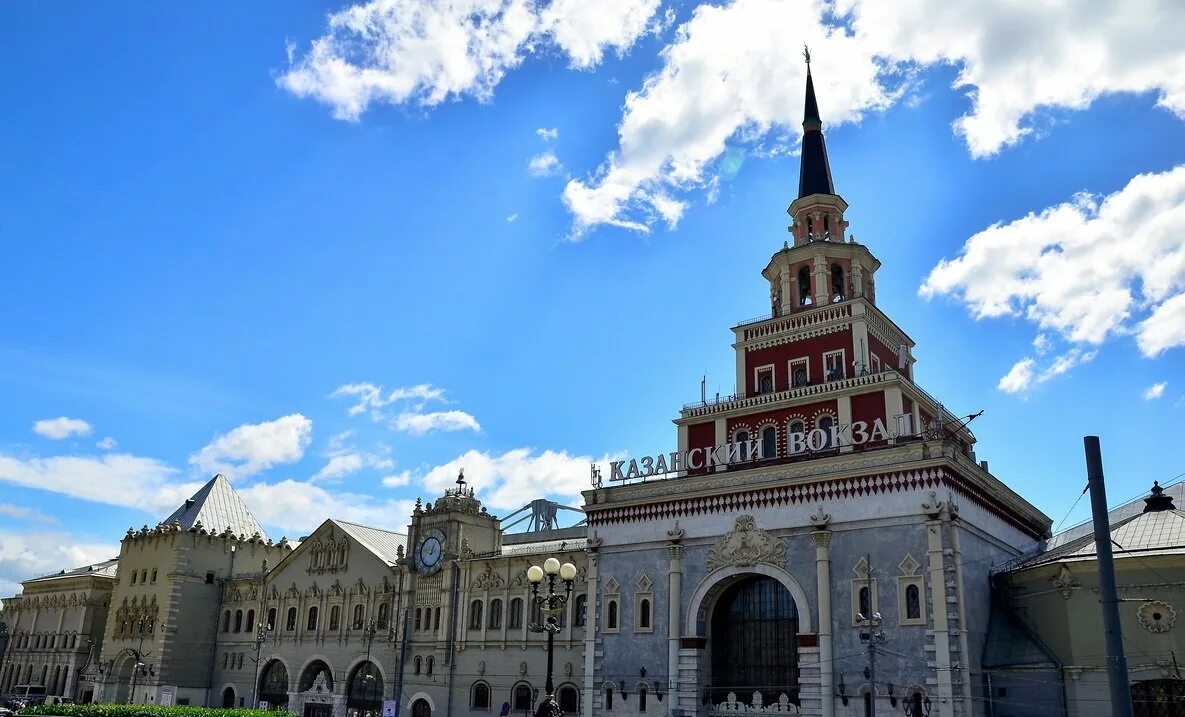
<point>746,546</point>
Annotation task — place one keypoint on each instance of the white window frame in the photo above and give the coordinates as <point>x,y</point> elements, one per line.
<point>612,594</point>
<point>760,437</point>
<point>903,582</point>
<point>876,363</point>
<point>773,379</point>
<point>805,360</point>
<point>843,367</point>
<point>644,590</point>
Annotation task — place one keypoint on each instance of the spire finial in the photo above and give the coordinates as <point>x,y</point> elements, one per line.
<point>806,53</point>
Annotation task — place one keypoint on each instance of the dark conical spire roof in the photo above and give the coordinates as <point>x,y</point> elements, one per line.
<point>814,176</point>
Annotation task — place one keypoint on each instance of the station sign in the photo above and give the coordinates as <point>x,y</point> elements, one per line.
<point>734,453</point>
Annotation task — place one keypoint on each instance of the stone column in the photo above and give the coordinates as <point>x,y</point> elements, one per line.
<point>944,699</point>
<point>674,604</point>
<point>822,282</point>
<point>787,285</point>
<point>964,650</point>
<point>590,625</point>
<point>857,279</point>
<point>822,537</point>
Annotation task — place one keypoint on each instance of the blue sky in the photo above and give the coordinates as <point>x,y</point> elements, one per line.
<point>212,219</point>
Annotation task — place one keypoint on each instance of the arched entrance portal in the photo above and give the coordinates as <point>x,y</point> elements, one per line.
<point>273,685</point>
<point>753,637</point>
<point>364,691</point>
<point>125,666</point>
<point>228,697</point>
<point>421,708</point>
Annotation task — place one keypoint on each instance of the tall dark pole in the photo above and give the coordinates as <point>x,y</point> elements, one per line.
<point>1121,697</point>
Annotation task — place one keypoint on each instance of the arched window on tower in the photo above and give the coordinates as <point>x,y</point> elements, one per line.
<point>838,285</point>
<point>804,287</point>
<point>769,443</point>
<point>826,226</point>
<point>825,424</point>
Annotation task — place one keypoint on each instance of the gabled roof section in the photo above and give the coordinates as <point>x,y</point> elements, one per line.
<point>218,506</point>
<point>384,544</point>
<point>105,569</point>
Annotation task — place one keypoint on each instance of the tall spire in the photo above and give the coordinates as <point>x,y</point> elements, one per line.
<point>814,176</point>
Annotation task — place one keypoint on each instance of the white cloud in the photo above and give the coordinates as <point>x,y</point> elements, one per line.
<point>62,427</point>
<point>1019,377</point>
<point>371,397</point>
<point>512,218</point>
<point>548,135</point>
<point>255,447</point>
<point>732,77</point>
<point>424,52</point>
<point>22,512</point>
<point>107,444</point>
<point>397,480</point>
<point>1016,59</point>
<point>545,165</point>
<point>514,478</point>
<point>1155,391</point>
<point>1088,269</point>
<point>345,459</point>
<point>586,29</point>
<point>297,507</point>
<point>418,424</point>
<point>732,74</point>
<point>113,479</point>
<point>1026,374</point>
<point>27,555</point>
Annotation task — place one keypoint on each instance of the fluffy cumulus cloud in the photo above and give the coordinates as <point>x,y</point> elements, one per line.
<point>404,409</point>
<point>255,447</point>
<point>424,52</point>
<point>23,512</point>
<point>345,459</point>
<point>62,427</point>
<point>1155,391</point>
<point>1086,270</point>
<point>732,74</point>
<point>297,507</point>
<point>545,164</point>
<point>510,480</point>
<point>1018,58</point>
<point>107,443</point>
<point>29,554</point>
<point>1027,372</point>
<point>112,478</point>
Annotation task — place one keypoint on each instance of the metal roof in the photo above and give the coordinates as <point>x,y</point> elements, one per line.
<point>384,544</point>
<point>105,569</point>
<point>218,506</point>
<point>1132,508</point>
<point>1161,531</point>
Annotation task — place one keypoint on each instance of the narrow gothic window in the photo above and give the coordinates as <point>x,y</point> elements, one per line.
<point>419,662</point>
<point>383,615</point>
<point>335,617</point>
<point>580,613</point>
<point>312,621</point>
<point>225,621</point>
<point>238,620</point>
<point>436,619</point>
<point>250,620</point>
<point>913,602</point>
<point>358,615</point>
<point>804,286</point>
<point>475,615</point>
<point>769,443</point>
<point>608,698</point>
<point>495,614</point>
<point>428,665</point>
<point>838,285</point>
<point>611,618</point>
<point>418,620</point>
<point>271,618</point>
<point>642,698</point>
<point>644,614</point>
<point>515,620</point>
<point>291,623</point>
<point>866,602</point>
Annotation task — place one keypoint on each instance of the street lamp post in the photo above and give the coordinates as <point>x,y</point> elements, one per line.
<point>144,621</point>
<point>261,631</point>
<point>551,604</point>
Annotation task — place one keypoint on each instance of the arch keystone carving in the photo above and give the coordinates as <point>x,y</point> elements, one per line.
<point>746,546</point>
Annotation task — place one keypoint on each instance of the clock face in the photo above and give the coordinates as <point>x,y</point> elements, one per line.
<point>430,551</point>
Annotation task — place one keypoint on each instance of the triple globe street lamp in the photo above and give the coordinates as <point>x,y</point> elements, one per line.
<point>551,605</point>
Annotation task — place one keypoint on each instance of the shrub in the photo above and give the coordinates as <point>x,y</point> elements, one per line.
<point>113,710</point>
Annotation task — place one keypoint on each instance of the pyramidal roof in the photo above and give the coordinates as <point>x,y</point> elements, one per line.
<point>218,506</point>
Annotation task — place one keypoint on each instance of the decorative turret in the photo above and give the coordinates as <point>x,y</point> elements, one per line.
<point>821,267</point>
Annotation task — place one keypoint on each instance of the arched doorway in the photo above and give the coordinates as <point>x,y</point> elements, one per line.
<point>421,708</point>
<point>273,685</point>
<point>125,666</point>
<point>228,698</point>
<point>364,691</point>
<point>754,636</point>
<point>316,674</point>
